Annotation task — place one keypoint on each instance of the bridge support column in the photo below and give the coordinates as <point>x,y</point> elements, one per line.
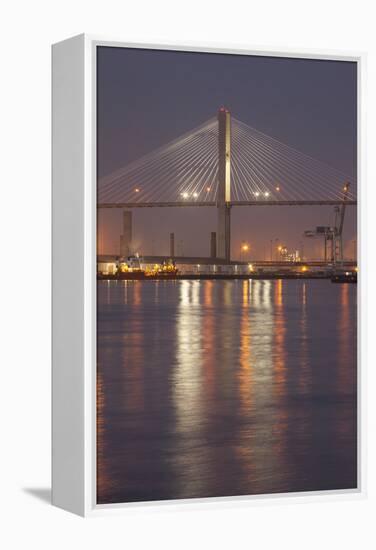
<point>224,185</point>
<point>126,237</point>
<point>224,232</point>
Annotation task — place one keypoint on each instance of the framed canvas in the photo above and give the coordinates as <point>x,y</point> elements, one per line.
<point>207,275</point>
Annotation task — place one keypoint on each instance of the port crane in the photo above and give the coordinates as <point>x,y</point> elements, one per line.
<point>333,243</point>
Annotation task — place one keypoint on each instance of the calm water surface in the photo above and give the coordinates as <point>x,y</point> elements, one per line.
<point>218,388</point>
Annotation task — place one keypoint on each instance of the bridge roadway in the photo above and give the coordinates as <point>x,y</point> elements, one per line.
<point>231,203</point>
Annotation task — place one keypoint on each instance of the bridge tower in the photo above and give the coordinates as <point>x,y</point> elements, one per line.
<point>224,184</point>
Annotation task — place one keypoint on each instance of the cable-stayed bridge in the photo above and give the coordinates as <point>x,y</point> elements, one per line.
<point>225,163</point>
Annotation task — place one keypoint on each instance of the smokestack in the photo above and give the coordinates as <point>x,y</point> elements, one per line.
<point>213,244</point>
<point>126,237</point>
<point>172,245</point>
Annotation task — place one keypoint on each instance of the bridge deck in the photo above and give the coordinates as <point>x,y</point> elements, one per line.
<point>232,203</point>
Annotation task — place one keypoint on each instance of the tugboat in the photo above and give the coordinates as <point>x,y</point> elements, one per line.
<point>133,268</point>
<point>344,277</point>
<point>166,270</point>
<point>130,268</point>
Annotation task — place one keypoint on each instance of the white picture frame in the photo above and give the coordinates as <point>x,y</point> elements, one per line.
<point>74,290</point>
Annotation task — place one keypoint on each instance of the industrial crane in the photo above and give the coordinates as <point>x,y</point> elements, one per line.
<point>340,218</point>
<point>333,243</point>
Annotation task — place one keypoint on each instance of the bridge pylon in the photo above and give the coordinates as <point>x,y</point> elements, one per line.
<point>224,185</point>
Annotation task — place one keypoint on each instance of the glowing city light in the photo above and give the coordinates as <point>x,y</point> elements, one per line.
<point>266,194</point>
<point>195,195</point>
<point>136,190</point>
<point>256,193</point>
<point>184,195</point>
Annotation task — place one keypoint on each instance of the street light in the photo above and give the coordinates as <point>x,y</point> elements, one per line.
<point>244,248</point>
<point>279,249</point>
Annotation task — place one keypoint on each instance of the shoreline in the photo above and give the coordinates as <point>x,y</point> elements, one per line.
<point>223,277</point>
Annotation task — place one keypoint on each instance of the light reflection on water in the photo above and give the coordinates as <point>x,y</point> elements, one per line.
<point>215,388</point>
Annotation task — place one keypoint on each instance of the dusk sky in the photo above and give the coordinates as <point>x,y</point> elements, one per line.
<point>146,98</point>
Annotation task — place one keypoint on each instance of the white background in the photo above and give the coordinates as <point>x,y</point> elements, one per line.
<point>28,28</point>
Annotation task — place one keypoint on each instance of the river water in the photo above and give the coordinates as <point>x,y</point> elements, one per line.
<point>219,388</point>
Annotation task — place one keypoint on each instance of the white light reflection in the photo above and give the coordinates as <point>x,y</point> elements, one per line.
<point>188,387</point>
<point>305,374</point>
<point>261,293</point>
<point>257,382</point>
